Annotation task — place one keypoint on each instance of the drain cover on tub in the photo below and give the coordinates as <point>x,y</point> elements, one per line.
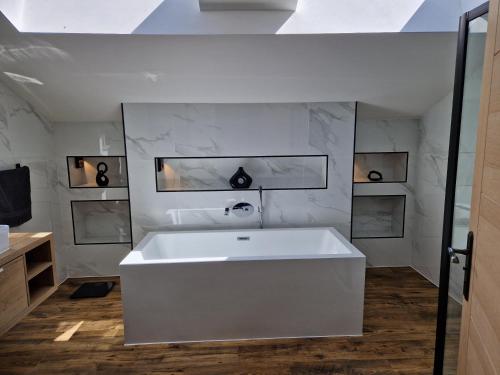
<point>93,290</point>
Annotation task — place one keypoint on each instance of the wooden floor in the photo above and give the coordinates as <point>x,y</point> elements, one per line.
<point>65,336</point>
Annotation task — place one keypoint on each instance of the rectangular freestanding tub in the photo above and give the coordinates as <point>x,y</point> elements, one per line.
<point>242,284</point>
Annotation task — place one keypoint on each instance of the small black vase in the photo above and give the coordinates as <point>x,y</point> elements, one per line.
<point>101,179</point>
<point>240,180</point>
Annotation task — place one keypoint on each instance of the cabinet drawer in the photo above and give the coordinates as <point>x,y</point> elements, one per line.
<point>13,294</point>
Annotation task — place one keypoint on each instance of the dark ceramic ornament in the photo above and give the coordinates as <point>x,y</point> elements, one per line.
<point>375,176</point>
<point>101,179</point>
<point>240,180</point>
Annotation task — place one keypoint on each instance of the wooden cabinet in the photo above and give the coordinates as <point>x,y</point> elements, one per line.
<point>27,276</point>
<point>13,293</point>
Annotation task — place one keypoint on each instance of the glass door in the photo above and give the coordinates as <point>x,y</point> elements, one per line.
<point>457,241</point>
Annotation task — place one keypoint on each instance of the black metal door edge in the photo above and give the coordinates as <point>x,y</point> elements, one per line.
<point>453,149</point>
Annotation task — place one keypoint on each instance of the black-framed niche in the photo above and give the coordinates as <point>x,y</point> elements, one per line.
<point>100,222</point>
<point>82,171</point>
<point>213,173</point>
<point>378,216</point>
<point>392,167</point>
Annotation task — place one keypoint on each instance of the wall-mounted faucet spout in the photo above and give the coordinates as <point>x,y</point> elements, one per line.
<point>261,209</point>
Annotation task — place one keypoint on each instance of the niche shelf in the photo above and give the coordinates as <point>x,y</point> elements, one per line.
<point>82,171</point>
<point>393,166</point>
<point>378,216</point>
<point>283,172</point>
<point>101,222</point>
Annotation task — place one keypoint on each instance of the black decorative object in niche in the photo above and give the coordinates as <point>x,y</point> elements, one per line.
<point>375,176</point>
<point>240,180</point>
<point>101,179</point>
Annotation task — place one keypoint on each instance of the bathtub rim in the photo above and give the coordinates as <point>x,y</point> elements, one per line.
<point>134,258</point>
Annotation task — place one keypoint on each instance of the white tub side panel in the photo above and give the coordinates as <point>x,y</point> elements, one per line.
<point>242,300</point>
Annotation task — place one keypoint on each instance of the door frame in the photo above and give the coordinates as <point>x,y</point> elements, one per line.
<point>456,120</point>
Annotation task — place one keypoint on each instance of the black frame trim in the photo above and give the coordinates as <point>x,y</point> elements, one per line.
<point>456,117</point>
<point>97,243</point>
<point>384,182</point>
<point>93,156</point>
<point>353,165</point>
<point>128,176</point>
<point>157,159</point>
<point>382,196</point>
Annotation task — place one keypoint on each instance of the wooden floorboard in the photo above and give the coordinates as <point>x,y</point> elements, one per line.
<point>399,327</point>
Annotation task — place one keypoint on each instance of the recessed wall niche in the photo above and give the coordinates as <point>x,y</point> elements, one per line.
<point>391,167</point>
<point>101,221</point>
<point>83,170</point>
<point>378,216</point>
<point>283,172</point>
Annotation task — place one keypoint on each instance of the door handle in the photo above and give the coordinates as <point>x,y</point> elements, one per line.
<point>468,262</point>
<point>453,254</point>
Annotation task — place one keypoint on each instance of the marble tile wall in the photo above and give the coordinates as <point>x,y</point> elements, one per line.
<point>381,136</point>
<point>234,129</point>
<point>432,160</point>
<point>27,138</point>
<point>104,139</point>
<point>238,129</point>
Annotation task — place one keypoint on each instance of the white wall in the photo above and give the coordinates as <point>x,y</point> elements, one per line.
<point>28,139</point>
<point>86,139</point>
<point>382,136</point>
<point>154,130</point>
<point>184,17</point>
<point>432,165</point>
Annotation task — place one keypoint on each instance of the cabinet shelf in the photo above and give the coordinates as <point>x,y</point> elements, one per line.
<point>41,285</point>
<point>35,268</point>
<point>28,277</point>
<point>41,293</point>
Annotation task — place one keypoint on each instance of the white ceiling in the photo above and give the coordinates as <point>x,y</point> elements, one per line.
<point>86,77</point>
<point>183,17</point>
<point>223,5</point>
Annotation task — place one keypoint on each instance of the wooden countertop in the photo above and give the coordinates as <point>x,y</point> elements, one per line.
<point>21,243</point>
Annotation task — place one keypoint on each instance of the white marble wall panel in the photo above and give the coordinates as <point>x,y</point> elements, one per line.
<point>27,138</point>
<point>165,130</point>
<point>432,164</point>
<point>392,135</point>
<point>87,139</point>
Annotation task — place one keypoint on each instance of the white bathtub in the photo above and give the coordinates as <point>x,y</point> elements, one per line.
<point>248,284</point>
